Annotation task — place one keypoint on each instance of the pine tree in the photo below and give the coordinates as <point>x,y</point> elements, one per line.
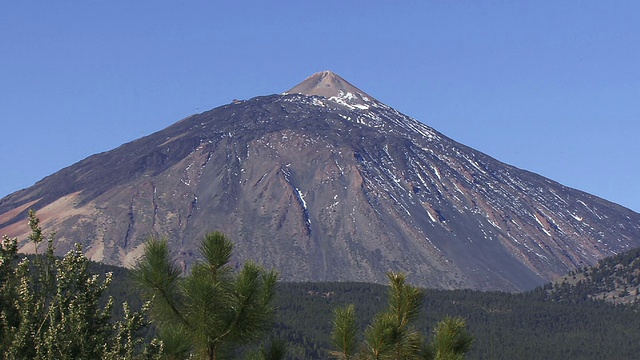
<point>392,335</point>
<point>450,340</point>
<point>212,311</point>
<point>344,332</point>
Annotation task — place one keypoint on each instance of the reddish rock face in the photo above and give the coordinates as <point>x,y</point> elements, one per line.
<point>331,86</point>
<point>326,183</point>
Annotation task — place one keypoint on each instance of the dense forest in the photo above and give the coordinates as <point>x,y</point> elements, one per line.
<point>588,314</point>
<point>530,325</point>
<point>505,326</point>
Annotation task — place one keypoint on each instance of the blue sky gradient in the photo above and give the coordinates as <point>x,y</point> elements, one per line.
<point>548,86</point>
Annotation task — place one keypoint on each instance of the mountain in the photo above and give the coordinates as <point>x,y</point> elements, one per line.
<point>325,183</point>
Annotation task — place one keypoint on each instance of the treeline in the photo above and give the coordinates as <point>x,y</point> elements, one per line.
<point>528,325</point>
<point>505,326</point>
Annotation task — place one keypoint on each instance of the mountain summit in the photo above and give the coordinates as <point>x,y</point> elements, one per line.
<point>333,87</point>
<point>324,183</point>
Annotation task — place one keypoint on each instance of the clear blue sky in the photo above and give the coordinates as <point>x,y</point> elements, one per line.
<point>548,86</point>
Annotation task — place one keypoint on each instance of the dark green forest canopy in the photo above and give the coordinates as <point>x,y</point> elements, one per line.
<point>528,325</point>
<point>522,326</point>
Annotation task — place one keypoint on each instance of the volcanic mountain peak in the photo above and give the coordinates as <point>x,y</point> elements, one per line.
<point>328,185</point>
<point>333,87</point>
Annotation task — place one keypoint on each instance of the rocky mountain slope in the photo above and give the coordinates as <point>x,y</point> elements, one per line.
<point>326,183</point>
